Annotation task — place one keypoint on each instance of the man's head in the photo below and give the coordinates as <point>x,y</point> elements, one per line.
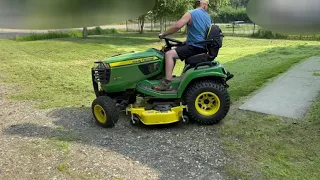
<point>202,4</point>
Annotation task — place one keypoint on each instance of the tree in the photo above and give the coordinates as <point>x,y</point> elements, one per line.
<point>235,3</point>
<point>141,21</point>
<point>175,9</point>
<point>244,3</point>
<point>238,3</point>
<point>224,3</point>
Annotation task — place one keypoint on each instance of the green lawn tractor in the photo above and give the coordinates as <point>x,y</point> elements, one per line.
<point>125,83</point>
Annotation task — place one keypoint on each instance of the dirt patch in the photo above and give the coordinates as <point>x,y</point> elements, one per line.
<point>34,147</point>
<point>66,144</point>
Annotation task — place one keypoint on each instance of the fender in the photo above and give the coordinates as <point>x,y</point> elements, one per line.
<point>192,75</point>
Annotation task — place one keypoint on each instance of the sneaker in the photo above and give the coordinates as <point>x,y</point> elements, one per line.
<point>164,85</point>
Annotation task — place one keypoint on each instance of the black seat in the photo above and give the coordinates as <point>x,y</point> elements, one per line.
<point>213,43</point>
<point>194,60</point>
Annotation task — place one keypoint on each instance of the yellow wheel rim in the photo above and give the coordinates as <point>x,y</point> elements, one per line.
<point>100,114</point>
<point>207,104</point>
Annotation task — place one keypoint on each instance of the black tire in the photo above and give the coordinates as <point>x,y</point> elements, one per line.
<point>210,86</point>
<point>105,105</point>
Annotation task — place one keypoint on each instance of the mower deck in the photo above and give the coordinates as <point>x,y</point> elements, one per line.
<point>156,117</point>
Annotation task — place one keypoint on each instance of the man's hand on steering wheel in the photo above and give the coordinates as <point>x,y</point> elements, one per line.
<point>170,43</point>
<point>161,36</point>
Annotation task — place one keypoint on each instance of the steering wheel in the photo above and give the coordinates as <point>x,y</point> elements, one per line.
<point>172,42</point>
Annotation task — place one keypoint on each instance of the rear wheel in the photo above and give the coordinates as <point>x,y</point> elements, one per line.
<point>105,112</point>
<point>208,101</point>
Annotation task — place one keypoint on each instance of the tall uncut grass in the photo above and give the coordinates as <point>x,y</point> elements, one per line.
<point>64,34</point>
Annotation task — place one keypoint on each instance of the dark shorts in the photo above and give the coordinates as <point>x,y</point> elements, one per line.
<point>186,51</point>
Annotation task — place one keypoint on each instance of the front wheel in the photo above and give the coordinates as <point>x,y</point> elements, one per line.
<point>208,101</point>
<point>105,112</point>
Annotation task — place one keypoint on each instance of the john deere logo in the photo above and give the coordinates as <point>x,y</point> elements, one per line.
<point>144,60</point>
<point>136,61</point>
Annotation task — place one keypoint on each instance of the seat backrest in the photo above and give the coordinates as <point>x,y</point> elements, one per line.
<point>215,38</point>
<point>215,34</point>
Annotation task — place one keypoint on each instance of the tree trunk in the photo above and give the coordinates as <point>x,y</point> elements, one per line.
<point>161,25</point>
<point>85,32</point>
<point>233,24</point>
<point>142,25</point>
<point>127,26</point>
<point>165,24</point>
<point>141,21</point>
<point>151,21</point>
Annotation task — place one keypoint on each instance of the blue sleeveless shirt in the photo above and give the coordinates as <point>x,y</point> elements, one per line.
<point>197,30</point>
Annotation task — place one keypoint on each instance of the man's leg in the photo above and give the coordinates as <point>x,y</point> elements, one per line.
<point>171,57</point>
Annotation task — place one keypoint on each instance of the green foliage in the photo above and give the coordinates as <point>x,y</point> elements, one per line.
<point>66,34</point>
<point>99,31</point>
<point>228,14</point>
<point>266,34</point>
<point>96,31</point>
<point>224,3</point>
<point>171,9</point>
<point>49,35</point>
<point>238,3</point>
<point>177,8</point>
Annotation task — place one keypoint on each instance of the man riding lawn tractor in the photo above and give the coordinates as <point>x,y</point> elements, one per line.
<point>199,93</point>
<point>198,22</point>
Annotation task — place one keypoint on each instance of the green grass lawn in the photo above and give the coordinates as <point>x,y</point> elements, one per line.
<point>269,147</point>
<point>56,73</point>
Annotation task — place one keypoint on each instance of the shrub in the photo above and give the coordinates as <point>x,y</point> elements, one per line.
<point>266,34</point>
<point>75,33</point>
<point>99,31</point>
<point>96,31</point>
<point>64,34</point>
<point>110,31</point>
<point>49,35</point>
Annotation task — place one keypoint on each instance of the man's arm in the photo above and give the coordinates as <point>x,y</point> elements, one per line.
<point>177,26</point>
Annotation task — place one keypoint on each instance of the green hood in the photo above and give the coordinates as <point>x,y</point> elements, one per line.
<point>133,56</point>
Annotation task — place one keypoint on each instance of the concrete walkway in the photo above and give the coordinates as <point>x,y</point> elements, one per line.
<point>292,94</point>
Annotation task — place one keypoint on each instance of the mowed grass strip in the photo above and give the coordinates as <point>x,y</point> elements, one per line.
<point>268,147</point>
<point>56,73</point>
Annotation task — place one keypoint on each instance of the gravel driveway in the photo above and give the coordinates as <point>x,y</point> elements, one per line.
<point>66,144</point>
